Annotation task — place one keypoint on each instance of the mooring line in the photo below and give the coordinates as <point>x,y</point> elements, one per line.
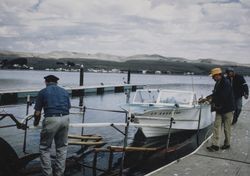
<point>182,158</point>
<point>227,159</point>
<point>98,109</point>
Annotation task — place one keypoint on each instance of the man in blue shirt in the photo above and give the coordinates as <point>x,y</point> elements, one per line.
<point>55,103</point>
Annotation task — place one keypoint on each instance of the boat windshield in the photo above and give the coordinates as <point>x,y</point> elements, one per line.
<point>172,97</point>
<point>146,96</point>
<point>163,97</point>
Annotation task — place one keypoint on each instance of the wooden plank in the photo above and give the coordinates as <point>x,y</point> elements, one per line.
<point>101,150</point>
<point>129,149</point>
<point>85,143</point>
<point>84,137</point>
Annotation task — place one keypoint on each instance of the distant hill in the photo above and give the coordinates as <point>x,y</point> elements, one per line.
<point>135,63</point>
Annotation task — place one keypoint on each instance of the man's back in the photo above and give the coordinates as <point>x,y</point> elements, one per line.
<point>54,100</point>
<point>239,85</point>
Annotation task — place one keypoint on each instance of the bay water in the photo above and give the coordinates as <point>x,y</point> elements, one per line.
<point>23,80</point>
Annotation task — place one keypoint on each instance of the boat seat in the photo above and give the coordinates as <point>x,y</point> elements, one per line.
<point>87,140</point>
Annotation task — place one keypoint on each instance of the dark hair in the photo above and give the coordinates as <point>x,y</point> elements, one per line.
<point>229,69</point>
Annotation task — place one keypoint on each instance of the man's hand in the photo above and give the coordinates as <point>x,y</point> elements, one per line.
<point>207,99</point>
<point>37,117</point>
<point>202,100</point>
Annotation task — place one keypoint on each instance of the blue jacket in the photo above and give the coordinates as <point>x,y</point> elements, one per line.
<point>222,97</point>
<point>53,99</point>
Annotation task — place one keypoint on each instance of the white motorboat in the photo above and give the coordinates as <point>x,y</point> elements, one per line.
<point>158,107</point>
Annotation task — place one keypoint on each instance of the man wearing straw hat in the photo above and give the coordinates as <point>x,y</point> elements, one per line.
<point>223,105</point>
<point>55,102</point>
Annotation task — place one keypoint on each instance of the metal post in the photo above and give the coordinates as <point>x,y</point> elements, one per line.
<point>94,162</point>
<point>83,118</point>
<point>198,129</point>
<point>27,104</point>
<point>124,142</point>
<point>169,132</point>
<point>170,127</point>
<point>110,160</point>
<point>26,124</point>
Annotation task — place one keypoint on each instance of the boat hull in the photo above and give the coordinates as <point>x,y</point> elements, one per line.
<point>194,118</point>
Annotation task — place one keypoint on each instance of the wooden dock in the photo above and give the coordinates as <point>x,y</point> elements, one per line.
<point>12,97</point>
<point>232,162</point>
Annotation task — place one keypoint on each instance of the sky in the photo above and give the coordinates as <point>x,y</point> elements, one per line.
<point>192,29</point>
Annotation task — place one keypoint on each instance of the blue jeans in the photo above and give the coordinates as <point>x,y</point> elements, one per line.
<point>54,128</point>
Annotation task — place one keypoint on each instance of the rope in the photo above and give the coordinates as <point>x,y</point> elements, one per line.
<point>98,109</point>
<point>7,126</point>
<point>107,110</point>
<point>228,159</point>
<point>18,124</point>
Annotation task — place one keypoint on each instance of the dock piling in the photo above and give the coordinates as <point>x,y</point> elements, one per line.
<point>128,79</point>
<point>81,84</point>
<point>81,75</point>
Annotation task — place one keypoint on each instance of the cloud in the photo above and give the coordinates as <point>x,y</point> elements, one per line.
<point>194,29</point>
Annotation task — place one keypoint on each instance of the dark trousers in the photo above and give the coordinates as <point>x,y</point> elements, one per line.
<point>238,107</point>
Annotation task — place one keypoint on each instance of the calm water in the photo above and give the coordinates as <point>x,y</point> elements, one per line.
<point>12,80</point>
